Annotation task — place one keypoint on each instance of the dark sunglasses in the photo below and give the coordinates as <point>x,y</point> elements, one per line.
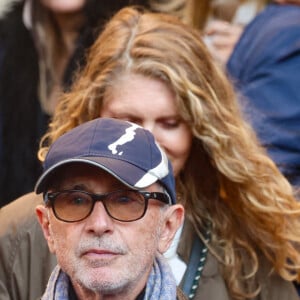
<point>121,205</point>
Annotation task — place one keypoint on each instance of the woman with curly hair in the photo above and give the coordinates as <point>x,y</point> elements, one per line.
<point>237,202</point>
<point>241,235</point>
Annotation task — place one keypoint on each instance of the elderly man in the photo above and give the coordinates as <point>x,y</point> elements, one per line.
<point>109,213</point>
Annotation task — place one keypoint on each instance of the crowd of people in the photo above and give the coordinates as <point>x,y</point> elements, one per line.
<point>228,127</point>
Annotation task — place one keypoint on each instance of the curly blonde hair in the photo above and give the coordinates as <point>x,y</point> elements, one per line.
<point>228,182</point>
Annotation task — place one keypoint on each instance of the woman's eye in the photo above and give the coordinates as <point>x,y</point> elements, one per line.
<point>127,118</point>
<point>171,124</point>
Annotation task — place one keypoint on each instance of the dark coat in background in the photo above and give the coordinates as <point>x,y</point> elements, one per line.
<point>21,119</point>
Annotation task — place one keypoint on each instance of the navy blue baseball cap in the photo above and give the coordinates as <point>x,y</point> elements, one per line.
<point>124,149</point>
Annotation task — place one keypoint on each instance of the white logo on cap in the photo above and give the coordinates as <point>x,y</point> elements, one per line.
<point>157,173</point>
<point>125,138</point>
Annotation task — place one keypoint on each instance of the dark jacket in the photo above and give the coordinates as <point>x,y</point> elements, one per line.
<point>26,264</point>
<point>265,68</point>
<point>22,122</point>
<point>212,285</point>
<point>21,119</point>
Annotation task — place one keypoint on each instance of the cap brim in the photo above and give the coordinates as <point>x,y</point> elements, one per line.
<point>123,171</point>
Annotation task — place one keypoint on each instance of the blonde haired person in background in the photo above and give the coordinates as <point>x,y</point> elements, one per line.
<point>237,202</point>
<point>222,22</point>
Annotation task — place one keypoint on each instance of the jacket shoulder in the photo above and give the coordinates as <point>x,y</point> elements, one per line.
<point>25,261</point>
<point>180,294</point>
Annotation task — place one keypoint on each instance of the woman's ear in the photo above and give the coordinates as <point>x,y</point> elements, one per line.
<point>174,217</point>
<point>42,213</point>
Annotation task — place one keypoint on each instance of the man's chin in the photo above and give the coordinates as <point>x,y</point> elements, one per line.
<point>101,281</point>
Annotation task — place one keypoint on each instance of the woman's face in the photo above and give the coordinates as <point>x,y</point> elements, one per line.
<point>151,104</point>
<point>64,6</point>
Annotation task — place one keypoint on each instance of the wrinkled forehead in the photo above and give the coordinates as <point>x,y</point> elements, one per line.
<point>88,177</point>
<point>79,174</point>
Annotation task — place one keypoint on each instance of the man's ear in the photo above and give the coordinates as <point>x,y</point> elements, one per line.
<point>174,217</point>
<point>43,218</point>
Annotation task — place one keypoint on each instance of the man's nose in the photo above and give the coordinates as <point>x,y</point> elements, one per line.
<point>99,221</point>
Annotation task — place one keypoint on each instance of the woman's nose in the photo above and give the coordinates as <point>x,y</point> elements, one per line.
<point>149,125</point>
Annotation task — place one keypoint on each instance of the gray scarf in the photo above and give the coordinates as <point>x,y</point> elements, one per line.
<point>161,284</point>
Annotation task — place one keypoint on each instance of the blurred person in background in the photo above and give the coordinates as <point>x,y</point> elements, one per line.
<point>257,44</point>
<point>42,42</point>
<point>264,68</point>
<point>222,22</point>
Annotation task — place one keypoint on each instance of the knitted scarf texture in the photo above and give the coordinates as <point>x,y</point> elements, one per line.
<point>161,284</point>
